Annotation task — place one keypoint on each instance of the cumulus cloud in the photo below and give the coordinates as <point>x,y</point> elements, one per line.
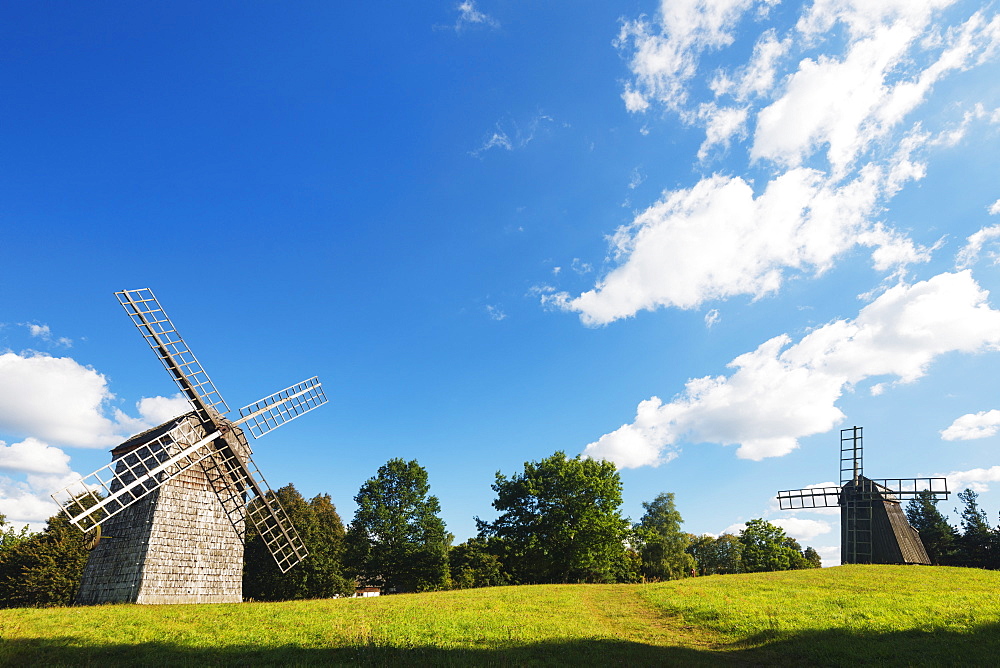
<point>33,456</point>
<point>784,391</point>
<point>972,426</point>
<point>718,240</point>
<point>55,399</point>
<point>976,479</point>
<point>848,103</point>
<point>44,469</point>
<point>802,529</point>
<point>825,111</point>
<point>58,400</point>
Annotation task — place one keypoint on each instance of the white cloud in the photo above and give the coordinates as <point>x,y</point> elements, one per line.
<point>54,399</point>
<point>33,456</point>
<point>469,16</point>
<point>23,504</point>
<point>717,240</point>
<point>994,208</point>
<point>665,55</point>
<point>975,479</point>
<point>969,254</point>
<point>721,124</point>
<point>782,392</point>
<point>510,134</point>
<point>495,312</point>
<point>58,400</point>
<point>848,103</point>
<point>39,330</point>
<point>47,469</point>
<point>44,332</point>
<point>972,426</point>
<point>712,317</point>
<point>800,529</point>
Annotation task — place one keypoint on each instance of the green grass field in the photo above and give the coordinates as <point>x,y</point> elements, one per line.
<point>866,615</point>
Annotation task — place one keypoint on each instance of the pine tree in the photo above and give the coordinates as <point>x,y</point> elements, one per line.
<point>975,542</point>
<point>939,537</point>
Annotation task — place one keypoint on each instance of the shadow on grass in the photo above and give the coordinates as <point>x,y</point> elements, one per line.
<point>68,651</point>
<point>811,648</point>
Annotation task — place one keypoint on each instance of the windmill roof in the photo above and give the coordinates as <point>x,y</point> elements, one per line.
<point>148,435</point>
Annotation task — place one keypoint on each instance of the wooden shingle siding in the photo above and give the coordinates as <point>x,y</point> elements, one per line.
<point>176,545</point>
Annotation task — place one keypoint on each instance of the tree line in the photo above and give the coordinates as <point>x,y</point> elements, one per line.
<point>559,521</point>
<point>973,543</point>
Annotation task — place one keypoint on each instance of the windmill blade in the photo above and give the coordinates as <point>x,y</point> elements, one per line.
<point>245,495</point>
<point>813,497</point>
<point>911,488</point>
<point>112,488</point>
<point>271,412</point>
<point>170,348</point>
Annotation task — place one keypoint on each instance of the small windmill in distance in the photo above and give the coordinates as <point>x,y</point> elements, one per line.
<point>176,499</point>
<point>873,528</point>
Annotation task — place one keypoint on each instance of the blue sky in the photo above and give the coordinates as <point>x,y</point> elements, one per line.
<point>695,239</point>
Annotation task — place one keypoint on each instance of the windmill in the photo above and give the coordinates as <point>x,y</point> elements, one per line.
<point>176,500</point>
<point>873,528</point>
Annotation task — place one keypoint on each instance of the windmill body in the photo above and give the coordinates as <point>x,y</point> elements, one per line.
<point>171,511</point>
<point>873,527</point>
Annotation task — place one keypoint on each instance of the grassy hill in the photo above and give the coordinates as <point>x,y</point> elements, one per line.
<point>869,615</point>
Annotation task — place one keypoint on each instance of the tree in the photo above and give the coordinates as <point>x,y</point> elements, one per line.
<point>938,537</point>
<point>560,522</point>
<point>45,568</point>
<point>473,564</point>
<point>766,548</point>
<point>397,540</point>
<point>663,544</point>
<point>728,554</point>
<point>320,574</point>
<point>717,556</point>
<point>10,537</point>
<point>976,541</point>
<point>812,556</point>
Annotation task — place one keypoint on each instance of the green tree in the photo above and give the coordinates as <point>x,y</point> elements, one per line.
<point>397,539</point>
<point>45,568</point>
<point>320,574</point>
<point>767,548</point>
<point>560,522</point>
<point>812,556</point>
<point>473,564</point>
<point>663,544</point>
<point>939,537</point>
<point>717,556</point>
<point>976,540</point>
<point>10,537</point>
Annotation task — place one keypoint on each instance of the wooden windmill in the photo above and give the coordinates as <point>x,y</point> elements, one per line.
<point>873,528</point>
<point>175,502</point>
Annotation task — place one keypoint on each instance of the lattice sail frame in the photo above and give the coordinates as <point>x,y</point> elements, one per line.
<point>829,497</point>
<point>218,445</point>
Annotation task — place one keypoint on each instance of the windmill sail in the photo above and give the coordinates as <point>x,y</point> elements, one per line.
<point>191,476</point>
<point>139,468</point>
<point>245,495</point>
<point>271,412</point>
<point>161,335</point>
